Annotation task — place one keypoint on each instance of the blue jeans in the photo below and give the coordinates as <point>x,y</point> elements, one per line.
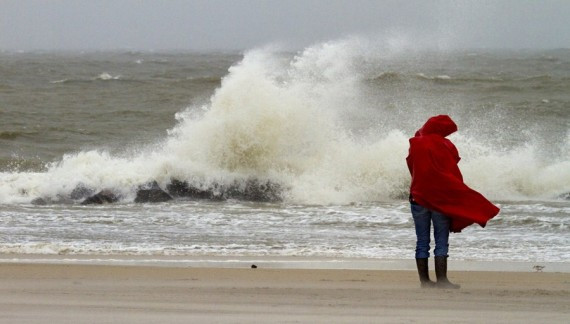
<point>423,218</point>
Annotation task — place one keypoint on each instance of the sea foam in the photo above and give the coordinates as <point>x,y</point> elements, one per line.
<point>287,120</point>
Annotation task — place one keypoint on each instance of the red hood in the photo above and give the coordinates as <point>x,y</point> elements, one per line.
<point>440,125</point>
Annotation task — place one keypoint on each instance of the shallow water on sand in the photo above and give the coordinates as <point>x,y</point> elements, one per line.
<point>232,228</point>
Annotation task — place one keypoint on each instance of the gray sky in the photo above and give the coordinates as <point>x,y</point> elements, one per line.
<point>241,24</point>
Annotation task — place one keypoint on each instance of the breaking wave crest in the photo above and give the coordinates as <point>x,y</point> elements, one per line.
<point>287,120</point>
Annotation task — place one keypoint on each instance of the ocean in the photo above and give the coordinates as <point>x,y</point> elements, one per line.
<point>319,136</point>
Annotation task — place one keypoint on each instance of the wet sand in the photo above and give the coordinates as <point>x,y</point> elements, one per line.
<point>63,293</point>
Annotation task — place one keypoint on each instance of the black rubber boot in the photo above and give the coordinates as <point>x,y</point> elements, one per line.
<point>423,268</point>
<point>441,274</point>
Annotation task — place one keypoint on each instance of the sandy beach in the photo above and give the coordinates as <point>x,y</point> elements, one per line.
<point>71,293</point>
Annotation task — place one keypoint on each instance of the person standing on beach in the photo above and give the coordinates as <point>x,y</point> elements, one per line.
<point>439,196</point>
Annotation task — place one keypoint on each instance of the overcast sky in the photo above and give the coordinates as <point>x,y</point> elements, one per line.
<point>243,24</point>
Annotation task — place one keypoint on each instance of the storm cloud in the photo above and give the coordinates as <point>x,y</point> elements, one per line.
<point>203,25</point>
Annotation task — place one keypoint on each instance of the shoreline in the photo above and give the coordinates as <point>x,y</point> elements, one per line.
<point>277,262</point>
<point>78,293</point>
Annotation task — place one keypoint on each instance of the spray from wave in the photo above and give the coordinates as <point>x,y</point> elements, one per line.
<point>291,121</point>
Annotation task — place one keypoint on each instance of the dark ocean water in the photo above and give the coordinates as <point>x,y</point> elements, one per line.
<point>58,103</point>
<point>328,124</point>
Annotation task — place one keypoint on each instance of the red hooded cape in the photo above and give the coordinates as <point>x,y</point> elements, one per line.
<point>437,183</point>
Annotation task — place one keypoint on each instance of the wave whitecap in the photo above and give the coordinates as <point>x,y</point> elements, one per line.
<point>284,120</point>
